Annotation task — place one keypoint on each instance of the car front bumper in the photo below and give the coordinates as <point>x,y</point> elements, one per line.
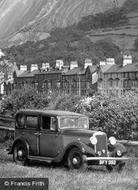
<point>105,160</point>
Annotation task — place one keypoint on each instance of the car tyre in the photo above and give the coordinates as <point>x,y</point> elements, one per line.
<point>76,160</point>
<point>109,168</point>
<point>119,167</point>
<point>20,154</point>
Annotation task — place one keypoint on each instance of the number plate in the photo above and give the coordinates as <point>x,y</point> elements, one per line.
<point>107,162</point>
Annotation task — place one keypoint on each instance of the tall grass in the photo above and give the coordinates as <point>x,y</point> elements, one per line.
<point>96,178</point>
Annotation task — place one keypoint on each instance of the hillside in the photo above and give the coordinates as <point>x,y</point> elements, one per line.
<point>23,20</point>
<point>123,36</point>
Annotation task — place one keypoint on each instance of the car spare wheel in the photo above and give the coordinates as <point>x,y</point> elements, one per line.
<point>20,154</point>
<point>75,159</point>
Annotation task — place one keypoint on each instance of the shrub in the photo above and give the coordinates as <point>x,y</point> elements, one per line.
<point>64,102</point>
<point>115,116</point>
<point>24,98</point>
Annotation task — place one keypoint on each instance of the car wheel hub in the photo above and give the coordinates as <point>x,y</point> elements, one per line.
<point>20,153</point>
<point>75,161</point>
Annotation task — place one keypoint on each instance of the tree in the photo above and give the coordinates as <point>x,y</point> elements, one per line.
<point>24,98</point>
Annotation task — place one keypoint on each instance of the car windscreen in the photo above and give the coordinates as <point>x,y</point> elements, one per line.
<point>74,122</point>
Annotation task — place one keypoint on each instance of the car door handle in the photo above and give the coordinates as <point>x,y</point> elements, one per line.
<point>37,134</point>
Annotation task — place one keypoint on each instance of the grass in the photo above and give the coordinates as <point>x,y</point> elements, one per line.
<point>63,179</point>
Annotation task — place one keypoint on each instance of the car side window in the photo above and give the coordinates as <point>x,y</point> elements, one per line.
<point>20,121</point>
<point>49,123</point>
<point>32,122</point>
<point>54,124</point>
<point>46,121</point>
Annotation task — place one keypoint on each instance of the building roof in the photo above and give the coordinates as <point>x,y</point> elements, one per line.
<point>49,72</point>
<point>120,69</point>
<point>130,68</point>
<point>28,74</point>
<point>81,71</point>
<point>75,71</point>
<point>113,69</point>
<point>23,74</point>
<point>93,68</point>
<point>19,72</point>
<point>49,112</point>
<point>105,68</point>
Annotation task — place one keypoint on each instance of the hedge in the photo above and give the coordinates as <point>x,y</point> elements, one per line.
<point>117,116</point>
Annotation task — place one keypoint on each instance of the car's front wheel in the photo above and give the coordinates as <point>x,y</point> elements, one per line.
<point>119,167</point>
<point>20,154</point>
<point>75,160</point>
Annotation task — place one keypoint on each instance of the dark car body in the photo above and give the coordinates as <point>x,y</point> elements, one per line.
<point>56,136</point>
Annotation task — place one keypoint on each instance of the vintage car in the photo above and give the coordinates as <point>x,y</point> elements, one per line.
<point>63,137</point>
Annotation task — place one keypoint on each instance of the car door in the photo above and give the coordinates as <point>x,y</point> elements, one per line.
<point>50,138</point>
<point>31,134</point>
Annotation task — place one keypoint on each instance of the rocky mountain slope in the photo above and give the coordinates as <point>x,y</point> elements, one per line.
<point>22,20</point>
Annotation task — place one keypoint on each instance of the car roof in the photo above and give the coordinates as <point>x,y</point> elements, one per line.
<point>49,112</point>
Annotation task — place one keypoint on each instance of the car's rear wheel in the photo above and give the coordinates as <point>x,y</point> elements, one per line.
<point>76,160</point>
<point>20,154</point>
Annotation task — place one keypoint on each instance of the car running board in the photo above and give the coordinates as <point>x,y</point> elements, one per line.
<point>38,158</point>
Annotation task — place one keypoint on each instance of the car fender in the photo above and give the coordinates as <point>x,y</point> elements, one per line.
<point>85,149</point>
<point>20,140</point>
<point>119,146</point>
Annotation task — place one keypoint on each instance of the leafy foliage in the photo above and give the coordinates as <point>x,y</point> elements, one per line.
<point>111,18</point>
<point>24,98</point>
<point>130,6</point>
<point>64,102</point>
<point>117,116</point>
<point>64,48</point>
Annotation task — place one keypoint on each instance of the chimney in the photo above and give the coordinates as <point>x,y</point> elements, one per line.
<point>65,68</point>
<point>73,64</point>
<point>34,67</point>
<point>88,62</point>
<point>110,61</point>
<point>23,67</point>
<point>102,62</point>
<point>59,64</point>
<point>127,59</point>
<point>45,66</point>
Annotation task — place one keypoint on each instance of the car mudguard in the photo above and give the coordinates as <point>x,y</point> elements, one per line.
<point>86,149</point>
<point>19,140</point>
<point>119,146</point>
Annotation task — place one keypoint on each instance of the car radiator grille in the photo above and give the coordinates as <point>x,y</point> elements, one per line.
<point>101,146</point>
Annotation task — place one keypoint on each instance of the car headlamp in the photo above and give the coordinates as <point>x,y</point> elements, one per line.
<point>112,140</point>
<point>119,153</point>
<point>93,140</point>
